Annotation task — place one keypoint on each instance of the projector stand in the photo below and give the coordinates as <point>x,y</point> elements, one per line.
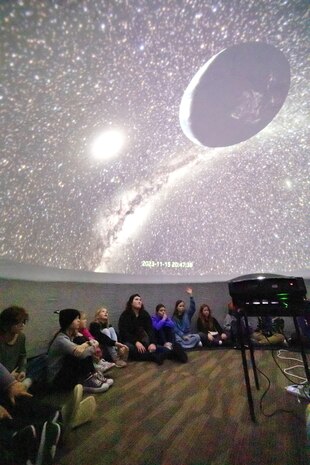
<point>243,349</point>
<point>248,345</point>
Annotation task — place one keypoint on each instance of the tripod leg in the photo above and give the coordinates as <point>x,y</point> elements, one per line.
<point>302,349</point>
<point>251,352</point>
<point>245,369</point>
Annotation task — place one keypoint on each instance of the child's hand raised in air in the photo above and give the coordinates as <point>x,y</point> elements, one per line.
<point>189,291</point>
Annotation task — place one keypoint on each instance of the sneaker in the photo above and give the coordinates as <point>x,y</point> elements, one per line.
<point>85,412</point>
<point>49,439</point>
<point>123,353</point>
<point>119,363</point>
<point>103,379</point>
<point>70,408</point>
<point>104,366</point>
<point>94,384</point>
<point>25,444</point>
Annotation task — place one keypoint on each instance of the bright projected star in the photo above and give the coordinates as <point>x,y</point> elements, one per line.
<point>108,144</point>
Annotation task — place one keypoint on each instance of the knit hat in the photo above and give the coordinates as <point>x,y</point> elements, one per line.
<point>66,317</point>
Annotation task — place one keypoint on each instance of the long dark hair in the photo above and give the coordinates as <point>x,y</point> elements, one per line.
<point>175,313</point>
<point>130,300</point>
<point>207,323</point>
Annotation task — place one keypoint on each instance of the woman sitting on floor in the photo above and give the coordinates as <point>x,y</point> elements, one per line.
<point>70,363</point>
<point>104,333</point>
<point>209,329</point>
<point>136,331</point>
<point>182,319</point>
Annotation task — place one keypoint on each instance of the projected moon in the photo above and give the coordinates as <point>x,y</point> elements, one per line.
<point>235,95</point>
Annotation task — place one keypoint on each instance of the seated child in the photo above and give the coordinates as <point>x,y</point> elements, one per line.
<point>182,319</point>
<point>12,342</point>
<point>209,329</point>
<point>98,360</point>
<point>106,335</point>
<point>13,349</point>
<point>163,327</point>
<point>70,363</point>
<point>230,324</point>
<point>164,333</point>
<point>264,334</point>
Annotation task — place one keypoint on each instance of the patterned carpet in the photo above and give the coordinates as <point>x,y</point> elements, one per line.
<point>192,414</point>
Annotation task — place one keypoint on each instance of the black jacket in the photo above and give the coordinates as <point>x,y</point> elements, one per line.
<point>132,327</point>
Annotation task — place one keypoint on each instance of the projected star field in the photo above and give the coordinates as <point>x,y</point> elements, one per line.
<point>96,172</point>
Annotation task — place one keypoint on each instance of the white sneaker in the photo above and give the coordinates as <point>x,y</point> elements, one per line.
<point>49,439</point>
<point>70,408</point>
<point>102,378</point>
<point>123,353</point>
<point>94,384</point>
<point>85,412</point>
<point>77,411</point>
<point>103,365</point>
<point>119,363</point>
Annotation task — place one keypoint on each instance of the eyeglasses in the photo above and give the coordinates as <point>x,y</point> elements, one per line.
<point>21,323</point>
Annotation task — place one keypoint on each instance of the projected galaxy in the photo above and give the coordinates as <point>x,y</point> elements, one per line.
<point>156,137</point>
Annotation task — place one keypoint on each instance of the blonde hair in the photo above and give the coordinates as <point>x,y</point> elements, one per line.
<point>97,313</point>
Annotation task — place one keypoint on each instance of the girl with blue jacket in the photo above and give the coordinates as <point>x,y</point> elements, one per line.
<point>182,318</point>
